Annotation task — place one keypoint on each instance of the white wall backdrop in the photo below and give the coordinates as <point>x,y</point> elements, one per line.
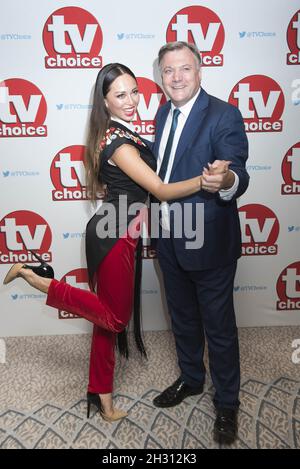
<point>50,54</point>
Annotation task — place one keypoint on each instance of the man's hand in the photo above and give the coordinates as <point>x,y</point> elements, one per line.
<point>217,176</point>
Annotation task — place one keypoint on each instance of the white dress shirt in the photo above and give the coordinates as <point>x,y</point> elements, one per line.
<point>184,114</point>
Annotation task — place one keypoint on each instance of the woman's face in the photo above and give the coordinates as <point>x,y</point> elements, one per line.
<point>123,98</point>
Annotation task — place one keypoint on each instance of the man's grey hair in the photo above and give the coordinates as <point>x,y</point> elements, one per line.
<point>178,45</point>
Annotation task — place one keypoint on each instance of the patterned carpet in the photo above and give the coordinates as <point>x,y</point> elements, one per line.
<point>42,397</point>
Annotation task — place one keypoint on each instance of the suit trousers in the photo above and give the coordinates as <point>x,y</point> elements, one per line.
<point>201,305</point>
<point>109,310</point>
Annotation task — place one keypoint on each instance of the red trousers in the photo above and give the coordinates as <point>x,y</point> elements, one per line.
<point>109,310</point>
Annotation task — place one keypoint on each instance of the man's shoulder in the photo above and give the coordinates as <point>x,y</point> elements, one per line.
<point>221,105</point>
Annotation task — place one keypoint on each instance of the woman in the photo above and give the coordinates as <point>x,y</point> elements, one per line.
<point>117,158</point>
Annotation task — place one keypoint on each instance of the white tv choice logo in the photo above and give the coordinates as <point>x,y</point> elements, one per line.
<point>203,27</point>
<point>22,231</point>
<point>288,287</point>
<point>290,170</point>
<point>293,40</point>
<point>68,174</point>
<point>151,98</point>
<point>260,229</point>
<point>261,102</point>
<point>23,109</point>
<point>72,38</point>
<point>76,278</point>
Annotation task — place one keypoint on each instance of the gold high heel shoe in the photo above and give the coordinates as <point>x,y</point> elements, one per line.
<point>94,399</point>
<point>12,273</point>
<point>43,270</point>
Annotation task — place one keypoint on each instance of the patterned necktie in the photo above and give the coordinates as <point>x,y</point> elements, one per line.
<point>165,161</point>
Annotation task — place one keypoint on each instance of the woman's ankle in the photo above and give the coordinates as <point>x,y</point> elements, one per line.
<point>107,403</point>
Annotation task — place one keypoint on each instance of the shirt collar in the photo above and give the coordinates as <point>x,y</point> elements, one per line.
<point>129,125</point>
<point>186,108</point>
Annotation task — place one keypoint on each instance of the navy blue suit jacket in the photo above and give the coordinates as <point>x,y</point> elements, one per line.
<point>214,130</point>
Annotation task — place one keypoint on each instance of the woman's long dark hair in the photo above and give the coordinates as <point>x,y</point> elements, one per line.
<point>99,123</point>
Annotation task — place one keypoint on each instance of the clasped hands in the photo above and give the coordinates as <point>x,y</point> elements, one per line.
<point>217,176</point>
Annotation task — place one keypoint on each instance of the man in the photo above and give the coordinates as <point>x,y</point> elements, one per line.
<point>207,136</point>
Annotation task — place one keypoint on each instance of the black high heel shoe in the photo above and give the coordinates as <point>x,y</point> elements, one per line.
<point>43,270</point>
<point>93,398</point>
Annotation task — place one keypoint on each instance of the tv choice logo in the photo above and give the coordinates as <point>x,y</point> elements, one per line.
<point>290,170</point>
<point>76,278</point>
<point>68,174</point>
<point>288,287</point>
<point>72,38</point>
<point>260,230</point>
<point>293,40</point>
<point>23,109</point>
<point>21,231</point>
<point>201,26</point>
<point>261,102</point>
<point>151,98</point>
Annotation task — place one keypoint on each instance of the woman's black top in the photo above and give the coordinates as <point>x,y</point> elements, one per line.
<point>121,191</point>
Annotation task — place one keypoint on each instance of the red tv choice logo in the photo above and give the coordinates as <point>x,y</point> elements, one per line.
<point>290,170</point>
<point>151,98</point>
<point>288,288</point>
<point>23,109</point>
<point>260,229</point>
<point>73,39</point>
<point>293,40</point>
<point>68,174</point>
<point>202,27</point>
<point>23,230</point>
<point>76,278</point>
<point>261,102</point>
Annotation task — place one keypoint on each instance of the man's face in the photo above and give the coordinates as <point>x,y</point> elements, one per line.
<point>181,75</point>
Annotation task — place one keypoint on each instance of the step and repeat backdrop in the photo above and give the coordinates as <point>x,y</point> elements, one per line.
<point>50,54</point>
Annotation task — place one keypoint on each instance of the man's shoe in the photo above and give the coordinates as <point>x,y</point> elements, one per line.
<point>175,394</point>
<point>225,428</point>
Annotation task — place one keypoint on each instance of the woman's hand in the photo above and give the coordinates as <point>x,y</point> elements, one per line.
<point>217,176</point>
